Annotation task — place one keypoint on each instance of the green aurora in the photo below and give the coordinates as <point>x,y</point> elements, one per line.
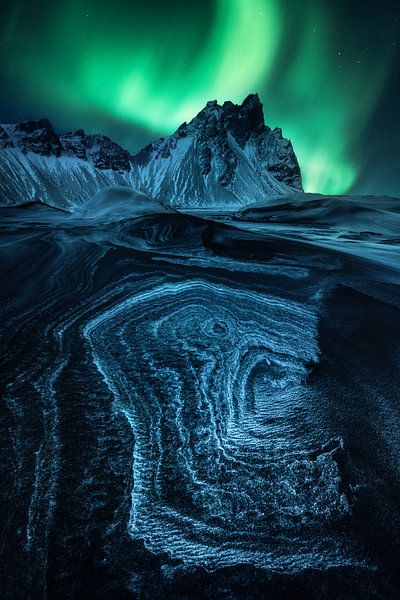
<point>156,65</point>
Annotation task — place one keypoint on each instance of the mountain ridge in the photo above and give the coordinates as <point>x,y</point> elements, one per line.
<point>225,156</point>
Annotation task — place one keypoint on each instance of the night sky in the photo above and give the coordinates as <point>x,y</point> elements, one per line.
<point>327,71</point>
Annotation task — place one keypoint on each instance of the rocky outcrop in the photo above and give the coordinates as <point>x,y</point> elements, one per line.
<point>99,150</point>
<point>5,140</point>
<point>38,137</point>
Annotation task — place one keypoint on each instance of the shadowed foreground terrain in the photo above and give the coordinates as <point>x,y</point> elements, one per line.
<point>198,407</point>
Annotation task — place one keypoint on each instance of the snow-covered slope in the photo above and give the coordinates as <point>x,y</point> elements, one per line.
<point>62,171</point>
<point>365,226</point>
<point>356,214</point>
<point>225,157</point>
<point>63,182</point>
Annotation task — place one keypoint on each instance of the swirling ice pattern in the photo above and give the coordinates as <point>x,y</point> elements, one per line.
<point>225,469</point>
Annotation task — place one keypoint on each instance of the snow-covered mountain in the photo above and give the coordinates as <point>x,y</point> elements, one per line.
<point>62,171</point>
<point>226,156</point>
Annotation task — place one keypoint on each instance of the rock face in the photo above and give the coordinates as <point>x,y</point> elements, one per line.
<point>99,150</point>
<point>226,156</point>
<point>5,141</point>
<point>38,137</point>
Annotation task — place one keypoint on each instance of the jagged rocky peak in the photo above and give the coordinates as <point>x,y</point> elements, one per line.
<point>100,150</point>
<point>40,138</point>
<point>242,121</point>
<point>34,136</point>
<point>225,136</point>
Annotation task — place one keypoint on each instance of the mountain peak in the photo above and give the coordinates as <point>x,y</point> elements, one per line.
<point>37,136</point>
<point>241,120</point>
<point>223,154</point>
<point>98,149</point>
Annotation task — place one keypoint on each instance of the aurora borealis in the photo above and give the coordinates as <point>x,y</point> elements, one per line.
<point>137,70</point>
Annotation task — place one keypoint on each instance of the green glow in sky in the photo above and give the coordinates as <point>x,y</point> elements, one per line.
<point>155,65</point>
<point>166,76</point>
